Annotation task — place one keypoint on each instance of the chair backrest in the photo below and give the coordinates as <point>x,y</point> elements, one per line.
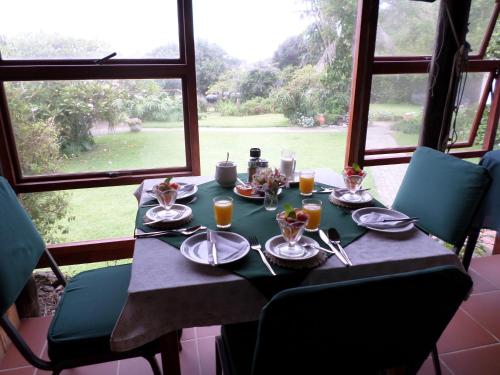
<point>444,192</point>
<point>358,327</point>
<point>488,215</point>
<point>20,246</point>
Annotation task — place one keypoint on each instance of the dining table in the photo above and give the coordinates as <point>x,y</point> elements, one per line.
<point>168,292</point>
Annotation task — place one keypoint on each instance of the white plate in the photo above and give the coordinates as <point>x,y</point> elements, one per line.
<point>195,248</point>
<point>395,214</point>
<point>276,240</point>
<point>182,195</point>
<point>183,212</point>
<point>253,197</point>
<point>365,197</point>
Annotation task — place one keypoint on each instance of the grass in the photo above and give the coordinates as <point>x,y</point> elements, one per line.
<point>110,211</point>
<point>396,109</point>
<point>214,120</point>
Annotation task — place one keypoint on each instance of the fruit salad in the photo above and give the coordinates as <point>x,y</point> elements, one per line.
<point>292,222</point>
<point>354,170</point>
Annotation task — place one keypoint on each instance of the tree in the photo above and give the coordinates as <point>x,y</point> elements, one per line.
<point>258,83</point>
<point>50,46</point>
<point>211,61</point>
<point>291,52</point>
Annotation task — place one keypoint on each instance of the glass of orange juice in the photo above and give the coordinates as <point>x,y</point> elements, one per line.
<point>306,182</point>
<point>312,207</point>
<point>223,211</point>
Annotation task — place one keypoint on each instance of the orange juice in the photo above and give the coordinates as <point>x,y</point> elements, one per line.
<point>312,207</point>
<point>223,212</point>
<point>306,185</point>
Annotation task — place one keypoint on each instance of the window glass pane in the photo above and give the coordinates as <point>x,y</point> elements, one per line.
<point>61,29</point>
<point>396,106</point>
<point>282,83</point>
<point>479,17</point>
<point>493,50</point>
<point>474,86</point>
<point>385,181</point>
<point>83,214</point>
<point>90,126</point>
<point>406,28</point>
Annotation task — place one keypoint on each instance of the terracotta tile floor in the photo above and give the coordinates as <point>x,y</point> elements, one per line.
<point>469,346</point>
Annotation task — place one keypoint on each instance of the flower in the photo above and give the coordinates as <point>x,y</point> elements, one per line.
<point>270,180</point>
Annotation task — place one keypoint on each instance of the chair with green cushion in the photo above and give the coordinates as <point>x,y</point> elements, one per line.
<point>362,326</point>
<point>444,192</point>
<point>80,331</point>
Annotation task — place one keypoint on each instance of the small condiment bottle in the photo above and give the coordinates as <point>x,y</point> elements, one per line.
<point>253,162</point>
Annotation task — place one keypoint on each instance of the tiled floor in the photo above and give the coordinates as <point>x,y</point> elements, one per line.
<point>469,346</point>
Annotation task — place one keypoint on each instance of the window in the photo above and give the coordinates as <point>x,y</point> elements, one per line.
<point>98,115</point>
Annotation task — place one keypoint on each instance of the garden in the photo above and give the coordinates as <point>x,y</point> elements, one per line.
<point>298,99</point>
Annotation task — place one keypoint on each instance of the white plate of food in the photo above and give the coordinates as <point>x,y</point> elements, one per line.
<point>230,248</point>
<point>383,220</point>
<point>254,196</point>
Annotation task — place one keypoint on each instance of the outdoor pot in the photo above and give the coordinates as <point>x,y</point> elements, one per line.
<point>225,173</point>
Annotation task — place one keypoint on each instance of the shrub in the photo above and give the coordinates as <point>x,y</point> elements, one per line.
<point>408,126</point>
<point>228,108</point>
<point>257,106</point>
<point>38,149</point>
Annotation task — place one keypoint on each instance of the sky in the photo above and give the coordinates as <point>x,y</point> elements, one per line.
<point>250,30</point>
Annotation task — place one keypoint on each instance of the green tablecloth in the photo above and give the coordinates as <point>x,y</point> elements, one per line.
<point>250,218</point>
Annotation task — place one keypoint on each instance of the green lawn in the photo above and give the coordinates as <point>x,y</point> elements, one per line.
<point>110,212</point>
<point>396,109</point>
<point>214,120</point>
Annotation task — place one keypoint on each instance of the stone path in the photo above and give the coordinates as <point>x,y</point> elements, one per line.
<point>387,178</point>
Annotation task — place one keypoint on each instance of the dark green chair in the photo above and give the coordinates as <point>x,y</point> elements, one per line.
<point>363,326</point>
<point>80,331</point>
<point>444,192</point>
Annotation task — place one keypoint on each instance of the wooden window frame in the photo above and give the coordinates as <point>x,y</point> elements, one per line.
<point>182,68</point>
<point>369,65</point>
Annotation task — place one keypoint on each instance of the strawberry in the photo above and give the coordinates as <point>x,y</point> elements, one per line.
<point>302,216</point>
<point>174,185</point>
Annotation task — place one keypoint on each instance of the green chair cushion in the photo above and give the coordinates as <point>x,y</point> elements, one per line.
<point>444,192</point>
<point>87,313</point>
<point>20,246</point>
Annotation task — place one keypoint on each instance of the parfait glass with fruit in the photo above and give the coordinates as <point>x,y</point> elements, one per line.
<point>292,223</point>
<point>166,193</point>
<point>353,177</point>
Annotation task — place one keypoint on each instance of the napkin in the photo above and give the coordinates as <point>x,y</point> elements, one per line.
<point>374,220</point>
<point>226,247</point>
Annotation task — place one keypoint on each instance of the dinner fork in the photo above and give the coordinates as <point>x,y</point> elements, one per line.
<point>255,245</point>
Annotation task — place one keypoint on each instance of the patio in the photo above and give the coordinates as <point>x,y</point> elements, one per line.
<point>470,345</point>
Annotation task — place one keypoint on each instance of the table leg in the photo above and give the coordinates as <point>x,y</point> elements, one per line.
<point>169,346</point>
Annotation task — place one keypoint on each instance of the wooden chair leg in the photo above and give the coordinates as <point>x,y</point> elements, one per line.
<point>154,364</point>
<point>435,361</point>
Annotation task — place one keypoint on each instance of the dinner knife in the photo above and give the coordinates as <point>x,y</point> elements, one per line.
<point>325,239</point>
<point>214,248</point>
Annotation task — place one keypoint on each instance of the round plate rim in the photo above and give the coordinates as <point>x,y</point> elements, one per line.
<point>356,213</point>
<point>364,193</point>
<point>235,191</point>
<point>190,194</point>
<point>187,211</point>
<point>184,246</point>
<point>275,254</point>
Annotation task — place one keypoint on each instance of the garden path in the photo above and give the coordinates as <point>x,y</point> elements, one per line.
<point>387,178</point>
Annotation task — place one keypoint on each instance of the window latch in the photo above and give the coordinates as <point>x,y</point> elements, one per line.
<point>105,58</point>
